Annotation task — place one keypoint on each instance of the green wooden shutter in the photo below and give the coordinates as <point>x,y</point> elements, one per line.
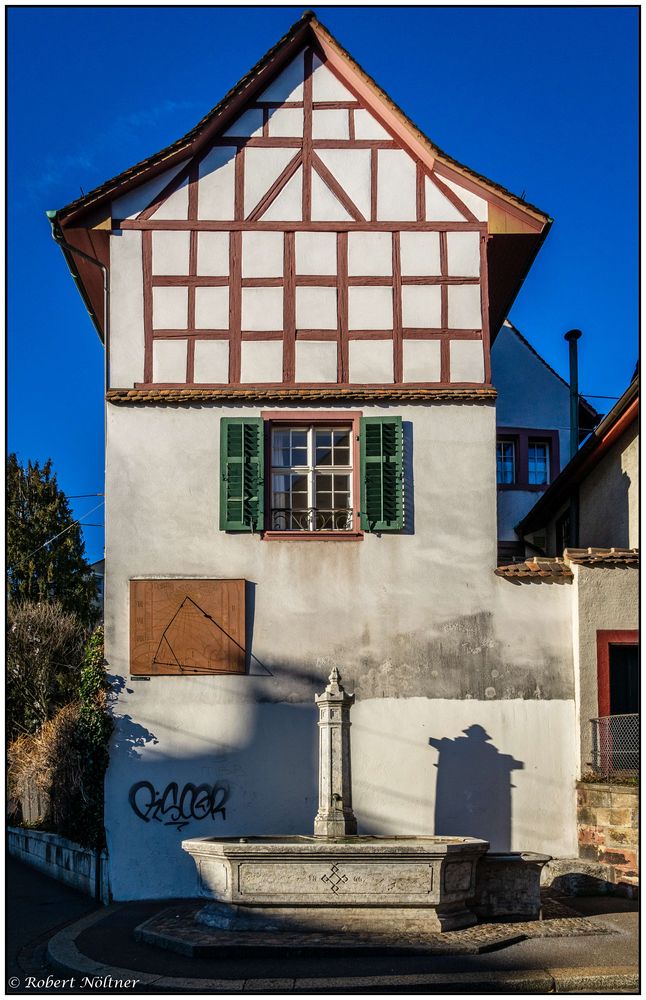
<point>242,479</point>
<point>382,494</point>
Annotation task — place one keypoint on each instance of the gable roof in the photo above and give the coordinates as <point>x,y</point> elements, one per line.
<point>516,228</point>
<point>307,29</point>
<point>588,416</point>
<point>622,415</point>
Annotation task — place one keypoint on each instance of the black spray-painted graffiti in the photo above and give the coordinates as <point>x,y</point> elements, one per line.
<point>175,808</point>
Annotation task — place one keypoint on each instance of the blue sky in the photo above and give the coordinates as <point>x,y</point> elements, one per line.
<point>541,100</point>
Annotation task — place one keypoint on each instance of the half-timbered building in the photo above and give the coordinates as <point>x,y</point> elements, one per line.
<point>297,301</point>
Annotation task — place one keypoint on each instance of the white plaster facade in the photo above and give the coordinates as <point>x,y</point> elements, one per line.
<point>604,598</point>
<point>465,715</point>
<point>613,485</point>
<point>423,632</point>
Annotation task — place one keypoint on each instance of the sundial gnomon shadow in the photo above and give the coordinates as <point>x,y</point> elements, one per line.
<point>192,639</point>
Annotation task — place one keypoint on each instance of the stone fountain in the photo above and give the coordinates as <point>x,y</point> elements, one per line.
<point>336,880</point>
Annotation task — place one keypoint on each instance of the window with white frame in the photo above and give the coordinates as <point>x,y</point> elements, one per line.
<point>506,461</point>
<point>311,478</point>
<point>538,462</point>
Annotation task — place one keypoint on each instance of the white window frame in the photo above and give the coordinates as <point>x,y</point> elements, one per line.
<point>310,471</point>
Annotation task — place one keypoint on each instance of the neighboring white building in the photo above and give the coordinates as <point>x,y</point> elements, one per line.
<point>590,513</point>
<point>300,474</point>
<point>533,418</point>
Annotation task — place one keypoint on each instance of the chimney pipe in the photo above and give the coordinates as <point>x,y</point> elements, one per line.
<point>572,336</point>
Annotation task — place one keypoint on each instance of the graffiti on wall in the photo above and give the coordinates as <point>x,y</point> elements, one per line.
<point>173,807</point>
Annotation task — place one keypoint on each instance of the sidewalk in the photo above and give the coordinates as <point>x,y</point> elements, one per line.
<point>99,944</point>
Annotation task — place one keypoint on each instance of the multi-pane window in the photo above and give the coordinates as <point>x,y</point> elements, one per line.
<point>506,462</point>
<point>538,463</point>
<point>311,478</point>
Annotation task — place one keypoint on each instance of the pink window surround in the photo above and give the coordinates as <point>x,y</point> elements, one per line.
<point>273,418</point>
<point>522,437</point>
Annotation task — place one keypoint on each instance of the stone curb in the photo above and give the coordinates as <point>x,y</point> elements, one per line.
<point>64,955</point>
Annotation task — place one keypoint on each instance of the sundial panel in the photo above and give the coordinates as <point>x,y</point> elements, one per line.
<point>187,626</point>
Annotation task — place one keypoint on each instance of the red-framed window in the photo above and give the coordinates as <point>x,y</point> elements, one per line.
<point>312,489</point>
<point>526,458</point>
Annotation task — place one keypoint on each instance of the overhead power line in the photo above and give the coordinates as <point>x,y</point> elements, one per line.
<point>54,537</point>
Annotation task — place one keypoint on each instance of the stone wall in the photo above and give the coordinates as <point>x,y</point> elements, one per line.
<point>60,859</point>
<point>608,828</point>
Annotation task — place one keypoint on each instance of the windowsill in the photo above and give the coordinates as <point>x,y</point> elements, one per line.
<point>312,536</point>
<point>525,487</point>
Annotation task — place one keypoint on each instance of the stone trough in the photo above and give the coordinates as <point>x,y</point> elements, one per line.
<point>337,880</point>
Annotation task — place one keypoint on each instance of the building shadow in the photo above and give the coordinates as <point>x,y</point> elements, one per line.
<point>473,791</point>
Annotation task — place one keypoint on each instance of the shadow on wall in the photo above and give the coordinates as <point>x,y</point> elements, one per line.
<point>473,792</point>
<point>409,485</point>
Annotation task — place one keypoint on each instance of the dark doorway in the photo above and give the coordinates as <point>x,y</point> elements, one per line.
<point>624,679</point>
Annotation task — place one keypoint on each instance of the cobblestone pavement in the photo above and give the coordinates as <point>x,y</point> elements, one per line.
<point>175,929</point>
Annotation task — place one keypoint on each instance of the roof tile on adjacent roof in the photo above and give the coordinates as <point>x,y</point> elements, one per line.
<point>553,567</point>
<point>299,394</point>
<point>537,568</point>
<point>602,557</point>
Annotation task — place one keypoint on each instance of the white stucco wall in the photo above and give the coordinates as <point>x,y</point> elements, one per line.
<point>429,639</point>
<point>605,598</point>
<point>612,487</point>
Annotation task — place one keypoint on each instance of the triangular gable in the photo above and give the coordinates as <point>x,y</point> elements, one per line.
<point>307,138</point>
<point>313,151</point>
<point>276,77</point>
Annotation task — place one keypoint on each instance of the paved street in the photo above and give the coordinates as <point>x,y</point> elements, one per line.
<point>38,908</point>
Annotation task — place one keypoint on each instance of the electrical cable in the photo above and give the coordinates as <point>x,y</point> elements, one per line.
<point>53,539</point>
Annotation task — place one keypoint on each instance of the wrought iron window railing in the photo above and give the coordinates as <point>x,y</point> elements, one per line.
<point>615,745</point>
<point>311,519</point>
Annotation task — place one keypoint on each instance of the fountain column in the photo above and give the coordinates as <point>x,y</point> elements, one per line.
<point>335,817</point>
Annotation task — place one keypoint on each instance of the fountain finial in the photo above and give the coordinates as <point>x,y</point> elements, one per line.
<point>334,685</point>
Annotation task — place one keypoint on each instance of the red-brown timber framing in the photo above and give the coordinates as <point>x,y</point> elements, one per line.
<point>605,639</point>
<point>510,239</point>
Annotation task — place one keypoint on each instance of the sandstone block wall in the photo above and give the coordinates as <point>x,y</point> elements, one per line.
<point>608,827</point>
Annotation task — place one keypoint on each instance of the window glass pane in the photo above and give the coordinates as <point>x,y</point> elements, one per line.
<point>299,439</point>
<point>342,447</point>
<point>323,447</point>
<point>280,448</point>
<point>505,462</point>
<point>299,456</point>
<point>537,462</point>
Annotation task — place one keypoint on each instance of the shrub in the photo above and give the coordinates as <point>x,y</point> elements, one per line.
<point>44,656</point>
<point>67,758</point>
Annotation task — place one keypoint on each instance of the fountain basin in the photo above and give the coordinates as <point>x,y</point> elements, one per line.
<point>355,882</point>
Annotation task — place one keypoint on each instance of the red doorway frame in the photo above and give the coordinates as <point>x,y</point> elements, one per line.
<point>605,639</point>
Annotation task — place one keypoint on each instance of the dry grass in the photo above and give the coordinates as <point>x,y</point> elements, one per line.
<point>49,762</point>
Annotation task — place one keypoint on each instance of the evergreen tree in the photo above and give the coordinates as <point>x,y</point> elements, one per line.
<point>39,568</point>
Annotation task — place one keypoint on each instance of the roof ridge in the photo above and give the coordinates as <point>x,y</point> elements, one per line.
<point>523,338</point>
<point>182,145</point>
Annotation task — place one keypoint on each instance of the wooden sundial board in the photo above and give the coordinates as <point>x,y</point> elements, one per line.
<point>187,626</point>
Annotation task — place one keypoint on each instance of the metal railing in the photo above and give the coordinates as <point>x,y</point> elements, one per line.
<point>311,519</point>
<point>615,745</point>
